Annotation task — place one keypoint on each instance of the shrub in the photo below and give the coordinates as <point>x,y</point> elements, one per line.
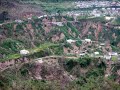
<point>70,64</point>
<point>95,72</point>
<point>84,62</point>
<point>12,45</point>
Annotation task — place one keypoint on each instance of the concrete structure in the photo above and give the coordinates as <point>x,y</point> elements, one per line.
<point>102,44</point>
<point>58,23</point>
<point>107,57</point>
<point>96,53</point>
<point>109,18</point>
<point>18,21</point>
<point>82,53</point>
<point>40,16</point>
<point>39,60</point>
<point>71,41</point>
<point>24,52</point>
<point>29,18</point>
<point>113,53</point>
<point>87,40</point>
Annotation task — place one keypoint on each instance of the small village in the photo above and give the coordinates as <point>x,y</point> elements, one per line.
<point>98,8</point>
<point>88,4</point>
<point>104,48</point>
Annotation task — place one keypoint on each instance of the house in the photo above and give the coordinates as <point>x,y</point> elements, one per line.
<point>106,75</point>
<point>71,41</point>
<point>40,16</point>
<point>97,15</point>
<point>29,18</point>
<point>39,60</point>
<point>18,21</point>
<point>102,44</point>
<point>82,53</point>
<point>96,53</point>
<point>109,18</point>
<point>99,46</point>
<point>113,53</point>
<point>24,52</point>
<point>87,40</point>
<point>58,23</point>
<point>107,57</point>
<point>111,56</point>
<point>45,15</point>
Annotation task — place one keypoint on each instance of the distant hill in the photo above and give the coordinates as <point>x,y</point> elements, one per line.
<point>17,9</point>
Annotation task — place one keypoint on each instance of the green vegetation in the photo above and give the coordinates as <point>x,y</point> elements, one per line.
<point>116,21</point>
<point>84,62</point>
<point>87,73</point>
<point>73,29</point>
<point>37,52</point>
<point>92,79</point>
<point>53,6</point>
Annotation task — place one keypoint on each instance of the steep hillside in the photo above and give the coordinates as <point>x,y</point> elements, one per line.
<point>54,63</point>
<point>59,73</point>
<point>32,33</point>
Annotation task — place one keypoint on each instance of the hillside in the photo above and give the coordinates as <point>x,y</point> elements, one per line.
<point>32,33</point>
<point>60,73</point>
<point>18,10</point>
<point>42,47</point>
<point>48,36</point>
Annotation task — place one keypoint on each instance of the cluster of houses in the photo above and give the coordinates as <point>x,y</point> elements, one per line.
<point>108,56</point>
<point>96,12</point>
<point>112,11</point>
<point>42,16</point>
<point>98,8</point>
<point>89,4</point>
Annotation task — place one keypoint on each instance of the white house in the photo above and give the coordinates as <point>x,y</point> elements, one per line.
<point>100,47</point>
<point>24,52</point>
<point>87,40</point>
<point>40,16</point>
<point>109,18</point>
<point>106,75</point>
<point>45,15</point>
<point>107,57</point>
<point>58,23</point>
<point>71,41</point>
<point>102,44</point>
<point>18,21</point>
<point>39,60</point>
<point>97,15</point>
<point>82,53</point>
<point>113,53</point>
<point>29,18</point>
<point>96,53</point>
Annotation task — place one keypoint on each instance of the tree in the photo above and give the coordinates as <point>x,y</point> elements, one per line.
<point>4,16</point>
